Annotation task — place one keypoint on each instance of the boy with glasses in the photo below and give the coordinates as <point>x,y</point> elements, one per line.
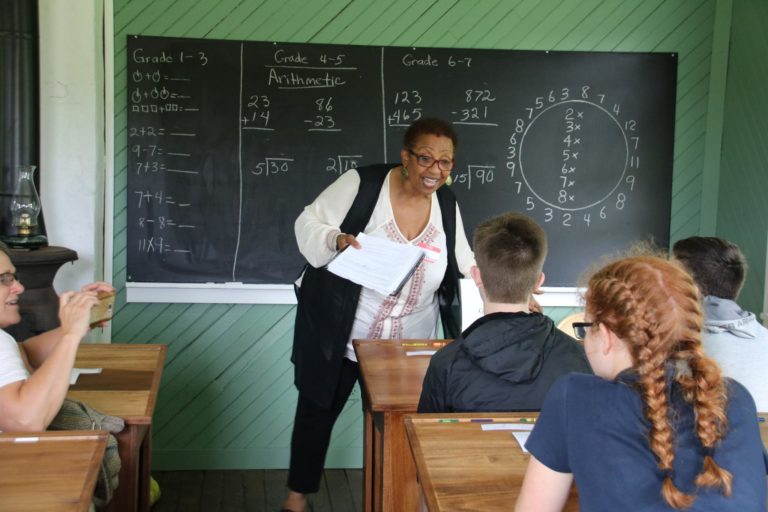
<point>507,359</point>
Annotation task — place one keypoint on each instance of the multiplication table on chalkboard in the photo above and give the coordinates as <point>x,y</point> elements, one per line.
<point>229,140</point>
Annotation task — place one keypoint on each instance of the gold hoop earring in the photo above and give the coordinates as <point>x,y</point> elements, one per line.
<point>449,180</point>
<point>404,171</point>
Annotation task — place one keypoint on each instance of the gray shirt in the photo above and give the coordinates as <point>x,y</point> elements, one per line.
<point>739,343</point>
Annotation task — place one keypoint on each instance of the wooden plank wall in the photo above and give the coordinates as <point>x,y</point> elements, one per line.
<point>742,205</point>
<point>227,397</point>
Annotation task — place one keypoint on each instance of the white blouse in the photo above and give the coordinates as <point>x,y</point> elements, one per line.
<point>414,311</point>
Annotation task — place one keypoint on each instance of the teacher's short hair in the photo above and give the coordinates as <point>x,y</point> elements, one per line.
<point>510,250</point>
<point>429,126</point>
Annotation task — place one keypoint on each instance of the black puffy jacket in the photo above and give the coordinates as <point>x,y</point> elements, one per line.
<point>502,362</point>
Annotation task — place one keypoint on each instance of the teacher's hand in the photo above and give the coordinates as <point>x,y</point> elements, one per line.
<point>343,240</point>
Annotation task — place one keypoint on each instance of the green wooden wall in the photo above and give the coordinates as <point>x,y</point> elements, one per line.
<point>743,198</point>
<point>227,398</point>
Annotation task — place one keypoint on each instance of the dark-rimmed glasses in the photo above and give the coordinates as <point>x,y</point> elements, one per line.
<point>7,278</point>
<point>580,329</point>
<point>426,161</point>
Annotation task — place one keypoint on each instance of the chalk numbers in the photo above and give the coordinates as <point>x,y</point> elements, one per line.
<point>256,112</point>
<point>406,109</point>
<point>476,175</point>
<point>334,60</point>
<point>475,107</point>
<point>339,164</point>
<point>591,156</point>
<point>454,61</point>
<point>322,118</point>
<point>272,166</point>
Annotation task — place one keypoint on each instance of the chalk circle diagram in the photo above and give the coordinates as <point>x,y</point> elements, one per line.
<point>573,155</point>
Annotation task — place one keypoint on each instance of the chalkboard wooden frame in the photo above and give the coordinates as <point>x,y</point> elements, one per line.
<point>505,104</point>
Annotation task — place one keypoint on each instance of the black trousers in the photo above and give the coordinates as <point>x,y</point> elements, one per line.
<point>312,433</point>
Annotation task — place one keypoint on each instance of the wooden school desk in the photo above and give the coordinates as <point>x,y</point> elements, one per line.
<point>463,467</point>
<point>49,471</point>
<point>126,387</point>
<point>391,383</point>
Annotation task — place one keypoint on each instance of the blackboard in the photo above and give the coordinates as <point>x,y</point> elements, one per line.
<point>229,140</point>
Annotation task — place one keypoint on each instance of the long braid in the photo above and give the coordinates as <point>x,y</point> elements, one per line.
<point>704,389</point>
<point>652,305</point>
<point>711,422</point>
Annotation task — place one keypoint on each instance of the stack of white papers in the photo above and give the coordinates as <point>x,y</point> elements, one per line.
<point>380,264</point>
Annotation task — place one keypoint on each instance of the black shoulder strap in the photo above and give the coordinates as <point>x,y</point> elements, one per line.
<point>447,202</point>
<point>450,310</point>
<point>371,180</point>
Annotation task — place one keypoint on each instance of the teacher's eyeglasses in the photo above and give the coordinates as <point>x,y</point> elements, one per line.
<point>7,278</point>
<point>426,161</point>
<point>580,329</point>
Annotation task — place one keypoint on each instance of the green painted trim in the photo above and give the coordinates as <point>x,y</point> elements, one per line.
<point>713,144</point>
<point>258,458</point>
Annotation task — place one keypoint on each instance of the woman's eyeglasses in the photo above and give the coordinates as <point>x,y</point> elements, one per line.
<point>427,161</point>
<point>7,278</point>
<point>580,329</point>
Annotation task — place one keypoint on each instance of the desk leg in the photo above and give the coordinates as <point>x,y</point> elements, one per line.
<point>367,458</point>
<point>145,470</point>
<point>129,442</point>
<point>400,485</point>
<point>380,457</point>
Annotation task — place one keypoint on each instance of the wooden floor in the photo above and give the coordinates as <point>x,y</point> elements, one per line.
<point>341,490</point>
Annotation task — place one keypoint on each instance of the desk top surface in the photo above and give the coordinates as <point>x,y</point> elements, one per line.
<point>129,381</point>
<point>50,470</point>
<point>462,467</point>
<point>392,380</point>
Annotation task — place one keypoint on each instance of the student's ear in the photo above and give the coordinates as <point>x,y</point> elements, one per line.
<point>608,339</point>
<point>476,277</point>
<point>536,289</point>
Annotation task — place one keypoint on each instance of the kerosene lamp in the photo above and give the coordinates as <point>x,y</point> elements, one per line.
<point>25,208</point>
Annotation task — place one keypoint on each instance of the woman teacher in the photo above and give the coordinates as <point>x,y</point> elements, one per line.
<point>407,204</point>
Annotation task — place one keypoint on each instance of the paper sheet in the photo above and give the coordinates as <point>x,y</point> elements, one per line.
<point>508,426</point>
<point>420,352</point>
<point>521,437</point>
<point>380,264</point>
<point>76,372</point>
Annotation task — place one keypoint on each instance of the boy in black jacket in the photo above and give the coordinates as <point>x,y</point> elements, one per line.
<point>507,359</point>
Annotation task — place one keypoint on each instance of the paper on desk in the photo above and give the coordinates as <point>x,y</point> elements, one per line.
<point>76,372</point>
<point>521,437</point>
<point>507,426</point>
<point>420,352</point>
<point>380,264</point>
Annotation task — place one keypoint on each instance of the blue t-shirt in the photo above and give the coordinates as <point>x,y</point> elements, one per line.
<point>595,429</point>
